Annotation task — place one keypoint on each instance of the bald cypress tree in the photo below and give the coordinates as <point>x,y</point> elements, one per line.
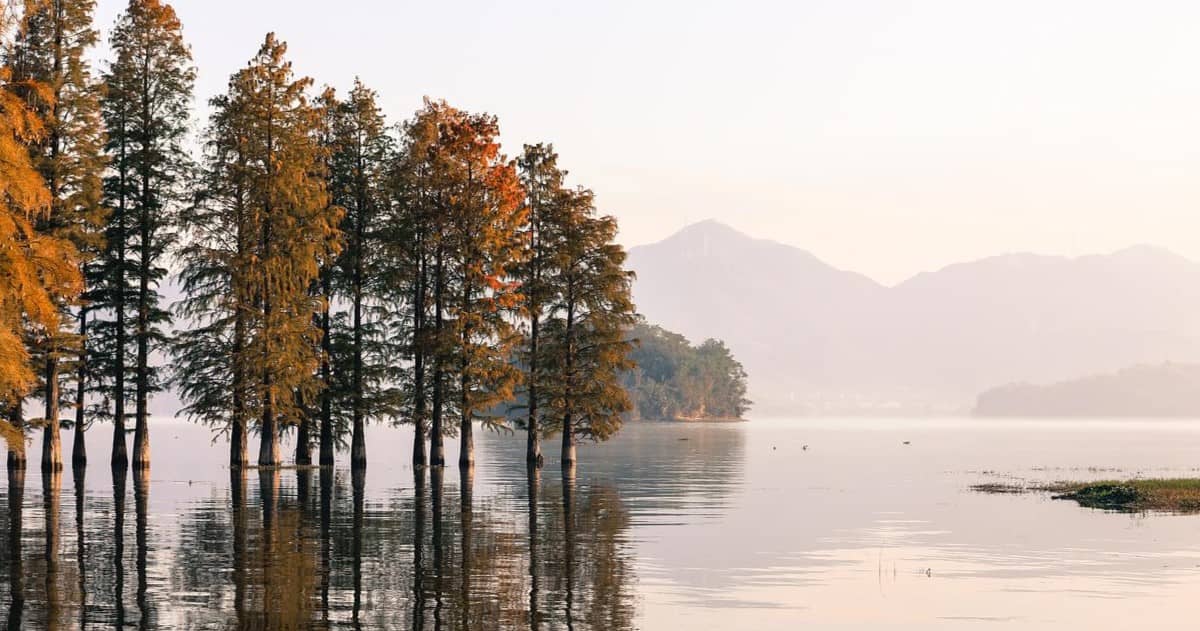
<point>485,209</point>
<point>410,244</point>
<point>362,153</point>
<point>458,207</point>
<point>146,109</point>
<point>50,50</point>
<point>543,182</point>
<point>38,269</point>
<point>257,244</point>
<point>584,347</point>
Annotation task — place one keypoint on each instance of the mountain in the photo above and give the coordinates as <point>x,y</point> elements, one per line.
<point>822,340</point>
<point>1163,390</point>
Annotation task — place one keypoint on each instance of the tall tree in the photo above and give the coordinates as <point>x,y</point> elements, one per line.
<point>585,346</point>
<point>50,49</point>
<point>459,205</point>
<point>543,182</point>
<point>38,269</point>
<point>485,209</point>
<point>359,166</point>
<point>410,243</point>
<point>147,111</point>
<point>256,246</point>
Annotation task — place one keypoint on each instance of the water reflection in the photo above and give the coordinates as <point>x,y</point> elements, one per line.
<point>509,547</point>
<point>14,559</point>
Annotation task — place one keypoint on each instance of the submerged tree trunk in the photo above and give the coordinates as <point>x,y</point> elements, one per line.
<point>533,446</point>
<point>568,429</point>
<point>303,442</point>
<point>466,450</point>
<point>568,444</point>
<point>419,457</point>
<point>120,455</point>
<point>237,430</point>
<point>141,432</point>
<point>16,457</point>
<point>326,448</point>
<point>358,443</point>
<point>52,439</point>
<point>268,449</point>
<point>437,450</point>
<point>79,445</point>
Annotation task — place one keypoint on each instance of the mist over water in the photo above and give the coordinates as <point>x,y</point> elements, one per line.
<point>818,523</point>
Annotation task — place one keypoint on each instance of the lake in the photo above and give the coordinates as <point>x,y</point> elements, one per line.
<point>771,524</point>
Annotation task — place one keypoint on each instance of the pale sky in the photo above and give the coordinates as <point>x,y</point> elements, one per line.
<point>887,137</point>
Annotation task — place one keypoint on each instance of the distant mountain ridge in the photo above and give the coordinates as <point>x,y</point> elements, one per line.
<point>818,339</point>
<point>1165,390</point>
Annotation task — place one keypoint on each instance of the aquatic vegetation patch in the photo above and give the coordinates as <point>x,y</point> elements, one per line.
<point>1170,495</point>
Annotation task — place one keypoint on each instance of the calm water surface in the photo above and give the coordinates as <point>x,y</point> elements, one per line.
<point>762,525</point>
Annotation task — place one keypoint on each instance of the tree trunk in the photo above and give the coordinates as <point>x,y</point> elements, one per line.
<point>437,450</point>
<point>419,457</point>
<point>533,446</point>
<point>16,457</point>
<point>326,455</point>
<point>120,455</point>
<point>358,444</point>
<point>466,450</point>
<point>237,431</point>
<point>141,432</point>
<point>568,429</point>
<point>79,446</point>
<point>268,449</point>
<point>568,444</point>
<point>303,442</point>
<point>52,439</point>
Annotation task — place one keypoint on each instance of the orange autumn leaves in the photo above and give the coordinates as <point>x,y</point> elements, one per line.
<point>38,270</point>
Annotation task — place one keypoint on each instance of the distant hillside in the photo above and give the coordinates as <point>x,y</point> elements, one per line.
<point>817,339</point>
<point>1164,390</point>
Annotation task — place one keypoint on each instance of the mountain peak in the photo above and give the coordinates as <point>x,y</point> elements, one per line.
<point>709,229</point>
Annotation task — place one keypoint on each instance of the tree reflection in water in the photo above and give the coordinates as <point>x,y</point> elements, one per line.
<point>319,550</point>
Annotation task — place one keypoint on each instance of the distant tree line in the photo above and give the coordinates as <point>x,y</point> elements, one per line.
<point>671,379</point>
<point>338,270</point>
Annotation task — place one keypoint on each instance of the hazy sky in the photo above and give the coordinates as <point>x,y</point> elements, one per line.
<point>887,137</point>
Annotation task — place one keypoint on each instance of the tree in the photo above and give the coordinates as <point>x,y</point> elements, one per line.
<point>358,184</point>
<point>146,109</point>
<point>38,269</point>
<point>257,242</point>
<point>585,348</point>
<point>411,245</point>
<point>459,205</point>
<point>543,182</point>
<point>49,50</point>
<point>485,209</point>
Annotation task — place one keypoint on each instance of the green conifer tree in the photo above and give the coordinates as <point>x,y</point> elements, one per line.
<point>147,111</point>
